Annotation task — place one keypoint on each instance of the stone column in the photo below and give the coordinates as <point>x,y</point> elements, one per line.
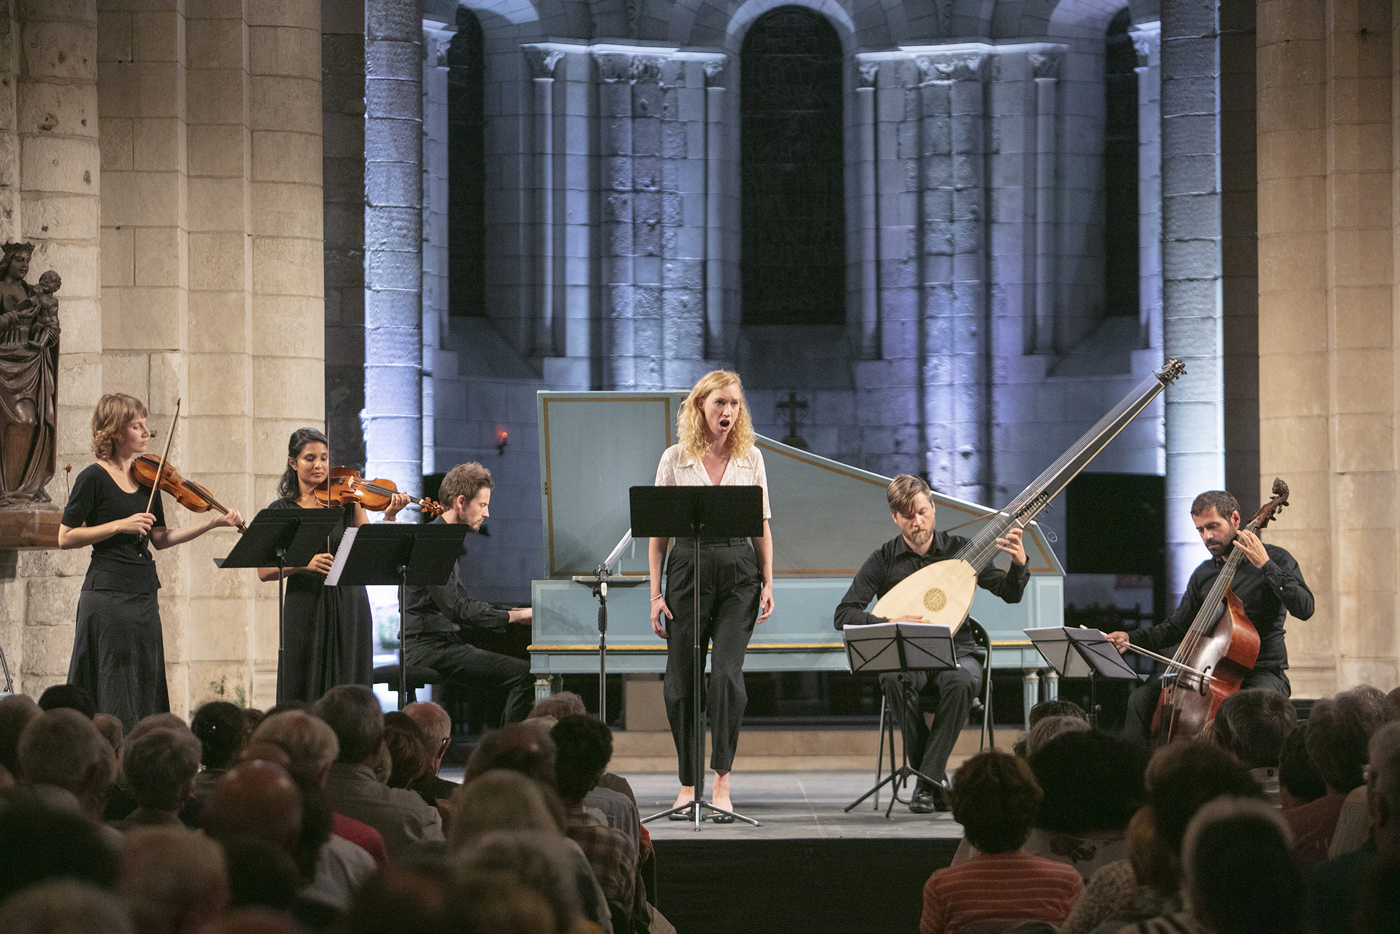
<point>225,448</point>
<point>715,333</point>
<point>1327,300</point>
<point>437,41</point>
<point>1191,272</point>
<point>1147,44</point>
<point>541,61</point>
<point>685,220</point>
<point>615,77</point>
<point>393,241</point>
<point>955,315</point>
<point>1045,68</point>
<point>343,210</point>
<point>652,213</point>
<point>867,77</point>
<point>52,200</point>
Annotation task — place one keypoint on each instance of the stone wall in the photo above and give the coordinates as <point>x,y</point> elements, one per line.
<point>207,277</point>
<point>1327,301</point>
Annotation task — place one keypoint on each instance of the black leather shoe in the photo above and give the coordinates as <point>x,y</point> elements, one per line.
<point>923,802</point>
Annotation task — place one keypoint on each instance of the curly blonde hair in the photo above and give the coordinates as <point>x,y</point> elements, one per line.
<point>114,412</point>
<point>695,434</point>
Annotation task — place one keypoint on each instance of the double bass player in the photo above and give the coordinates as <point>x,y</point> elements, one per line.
<point>1268,583</point>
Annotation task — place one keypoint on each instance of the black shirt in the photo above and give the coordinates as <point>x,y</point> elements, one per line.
<point>123,561</point>
<point>1269,594</point>
<point>895,560</point>
<point>449,607</point>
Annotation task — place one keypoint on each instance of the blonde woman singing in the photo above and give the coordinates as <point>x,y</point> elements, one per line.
<point>736,588</point>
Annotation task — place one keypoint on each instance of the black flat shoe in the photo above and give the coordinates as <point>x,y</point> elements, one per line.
<point>722,818</point>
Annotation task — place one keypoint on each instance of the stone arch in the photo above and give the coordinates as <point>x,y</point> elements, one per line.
<point>750,10</point>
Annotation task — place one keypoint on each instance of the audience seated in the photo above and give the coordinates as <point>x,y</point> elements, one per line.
<point>1354,821</point>
<point>996,798</point>
<point>1298,781</point>
<point>1085,830</point>
<point>222,731</point>
<point>1240,873</point>
<point>401,817</point>
<point>518,747</point>
<point>40,841</point>
<point>1050,708</point>
<point>261,874</point>
<point>1379,910</point>
<point>64,907</point>
<point>172,881</point>
<point>583,747</point>
<point>506,801</point>
<point>1130,889</point>
<point>159,768</point>
<point>15,713</point>
<point>436,725</point>
<point>62,752</point>
<point>1335,886</point>
<point>69,696</point>
<point>540,862</point>
<point>1050,727</point>
<point>111,729</point>
<point>352,849</point>
<point>1181,779</point>
<point>1339,729</point>
<point>1252,726</point>
<point>562,704</point>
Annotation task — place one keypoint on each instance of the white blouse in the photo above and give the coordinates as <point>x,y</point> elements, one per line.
<point>677,469</point>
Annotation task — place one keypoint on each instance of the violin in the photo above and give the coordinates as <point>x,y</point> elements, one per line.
<point>1217,652</point>
<point>346,485</point>
<point>187,493</point>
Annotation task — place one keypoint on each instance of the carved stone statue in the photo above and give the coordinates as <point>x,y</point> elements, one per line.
<point>28,378</point>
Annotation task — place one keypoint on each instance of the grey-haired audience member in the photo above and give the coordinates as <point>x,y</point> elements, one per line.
<point>404,819</point>
<point>159,767</point>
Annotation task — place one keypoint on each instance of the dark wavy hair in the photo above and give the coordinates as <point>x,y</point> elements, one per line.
<point>287,487</point>
<point>1071,762</point>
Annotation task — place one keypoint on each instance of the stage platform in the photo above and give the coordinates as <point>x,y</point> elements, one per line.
<point>810,867</point>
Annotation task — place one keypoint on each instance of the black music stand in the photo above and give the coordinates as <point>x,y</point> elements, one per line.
<point>393,553</point>
<point>902,647</point>
<point>283,538</point>
<point>1079,653</point>
<point>692,512</point>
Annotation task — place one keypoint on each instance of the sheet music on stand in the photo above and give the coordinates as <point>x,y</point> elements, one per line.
<point>899,647</point>
<point>1081,653</point>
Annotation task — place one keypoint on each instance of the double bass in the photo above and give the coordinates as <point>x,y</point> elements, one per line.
<point>1217,652</point>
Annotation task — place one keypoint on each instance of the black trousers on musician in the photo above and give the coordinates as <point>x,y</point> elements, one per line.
<point>928,749</point>
<point>1142,702</point>
<point>729,589</point>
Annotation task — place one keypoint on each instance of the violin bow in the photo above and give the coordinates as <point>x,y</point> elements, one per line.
<point>161,468</point>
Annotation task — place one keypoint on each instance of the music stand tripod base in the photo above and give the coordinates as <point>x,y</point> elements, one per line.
<point>899,647</point>
<point>692,512</point>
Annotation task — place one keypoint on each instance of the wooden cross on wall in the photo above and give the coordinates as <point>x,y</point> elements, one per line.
<point>793,406</point>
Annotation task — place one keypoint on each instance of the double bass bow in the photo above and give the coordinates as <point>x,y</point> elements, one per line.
<point>1217,652</point>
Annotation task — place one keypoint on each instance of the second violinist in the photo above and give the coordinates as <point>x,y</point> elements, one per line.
<point>329,630</point>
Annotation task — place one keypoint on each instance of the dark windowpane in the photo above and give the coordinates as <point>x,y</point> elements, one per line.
<point>791,177</point>
<point>1120,155</point>
<point>466,168</point>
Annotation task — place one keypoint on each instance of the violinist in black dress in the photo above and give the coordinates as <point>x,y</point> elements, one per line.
<point>329,631</point>
<point>118,651</point>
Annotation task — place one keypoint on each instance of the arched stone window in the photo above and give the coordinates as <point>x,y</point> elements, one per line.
<point>466,168</point>
<point>1120,157</point>
<point>793,260</point>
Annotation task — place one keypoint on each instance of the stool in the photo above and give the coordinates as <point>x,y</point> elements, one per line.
<point>417,676</point>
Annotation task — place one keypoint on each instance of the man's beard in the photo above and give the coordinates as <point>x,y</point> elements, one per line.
<point>919,538</point>
<point>1218,549</point>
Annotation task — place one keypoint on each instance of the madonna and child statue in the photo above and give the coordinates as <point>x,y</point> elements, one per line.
<point>28,378</point>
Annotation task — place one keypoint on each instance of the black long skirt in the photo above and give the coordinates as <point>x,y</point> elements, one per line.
<point>119,654</point>
<point>329,639</point>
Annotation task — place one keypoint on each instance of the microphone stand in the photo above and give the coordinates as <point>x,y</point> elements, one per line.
<point>598,582</point>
